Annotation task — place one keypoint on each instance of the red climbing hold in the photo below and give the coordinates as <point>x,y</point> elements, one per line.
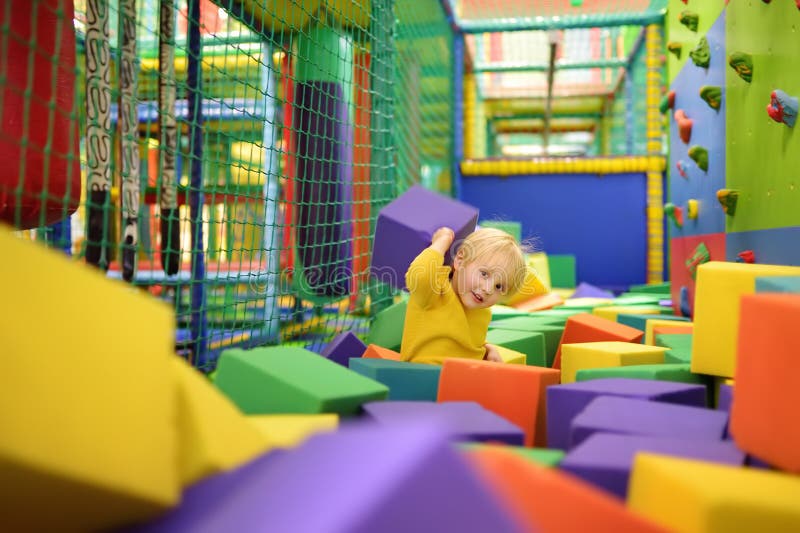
<point>684,125</point>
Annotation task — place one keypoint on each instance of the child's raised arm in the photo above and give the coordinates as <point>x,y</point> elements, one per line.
<point>442,239</point>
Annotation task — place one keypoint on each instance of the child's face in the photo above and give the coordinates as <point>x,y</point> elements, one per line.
<point>480,283</point>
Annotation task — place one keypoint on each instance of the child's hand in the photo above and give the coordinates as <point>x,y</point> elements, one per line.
<point>442,239</point>
<point>492,353</point>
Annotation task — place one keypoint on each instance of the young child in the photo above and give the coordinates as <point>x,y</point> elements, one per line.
<point>448,311</point>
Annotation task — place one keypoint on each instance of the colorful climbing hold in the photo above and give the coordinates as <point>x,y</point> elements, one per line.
<point>727,199</point>
<point>684,125</point>
<point>689,19</point>
<point>742,63</point>
<point>701,55</point>
<point>712,95</point>
<point>782,108</point>
<point>700,156</point>
<point>699,256</point>
<point>674,213</point>
<point>746,256</point>
<point>682,168</point>
<point>675,48</point>
<point>667,102</point>
<point>692,208</point>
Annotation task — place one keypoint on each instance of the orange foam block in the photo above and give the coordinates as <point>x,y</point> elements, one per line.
<point>767,389</point>
<point>547,499</point>
<point>540,302</point>
<point>374,351</point>
<point>515,392</point>
<point>585,327</point>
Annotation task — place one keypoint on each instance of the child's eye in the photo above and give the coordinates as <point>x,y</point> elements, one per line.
<point>499,287</point>
<point>484,274</point>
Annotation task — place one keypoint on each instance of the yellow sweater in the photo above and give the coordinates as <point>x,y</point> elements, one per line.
<point>437,326</point>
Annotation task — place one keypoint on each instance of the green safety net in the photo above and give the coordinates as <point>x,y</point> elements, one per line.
<point>231,157</point>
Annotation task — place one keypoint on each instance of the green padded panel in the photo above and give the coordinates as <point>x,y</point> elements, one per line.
<point>762,156</point>
<point>406,381</point>
<point>292,380</point>
<point>512,228</point>
<point>386,328</point>
<point>562,271</point>
<point>531,344</point>
<point>540,456</point>
<point>708,11</point>
<point>679,344</point>
<point>552,333</point>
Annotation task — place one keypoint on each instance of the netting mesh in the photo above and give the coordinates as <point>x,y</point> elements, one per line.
<point>231,157</point>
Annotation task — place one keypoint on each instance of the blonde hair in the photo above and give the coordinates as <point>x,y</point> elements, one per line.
<point>500,246</point>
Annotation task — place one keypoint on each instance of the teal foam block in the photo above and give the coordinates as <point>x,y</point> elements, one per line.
<point>284,379</point>
<point>531,344</point>
<point>562,271</point>
<point>552,333</point>
<point>640,321</point>
<point>679,344</point>
<point>386,328</point>
<point>406,381</point>
<point>778,284</point>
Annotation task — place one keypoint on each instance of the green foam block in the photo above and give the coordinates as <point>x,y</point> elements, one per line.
<point>406,381</point>
<point>292,380</point>
<point>679,344</point>
<point>664,372</point>
<point>651,288</point>
<point>552,333</point>
<point>531,344</point>
<point>562,271</point>
<point>540,456</point>
<point>640,321</point>
<point>386,328</point>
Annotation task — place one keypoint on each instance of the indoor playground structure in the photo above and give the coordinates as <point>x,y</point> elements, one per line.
<point>208,207</point>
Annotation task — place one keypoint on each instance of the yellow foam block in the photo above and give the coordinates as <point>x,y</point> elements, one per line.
<point>716,312</point>
<point>87,423</point>
<point>610,312</point>
<point>541,265</point>
<point>652,323</point>
<point>606,354</point>
<point>288,431</point>
<point>511,356</point>
<point>695,496</point>
<point>214,435</point>
<point>564,293</point>
<point>531,286</point>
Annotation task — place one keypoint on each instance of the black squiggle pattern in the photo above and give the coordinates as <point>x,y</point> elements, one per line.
<point>129,138</point>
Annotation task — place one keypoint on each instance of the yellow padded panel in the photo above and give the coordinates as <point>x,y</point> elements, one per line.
<point>214,435</point>
<point>606,354</point>
<point>652,323</point>
<point>610,312</point>
<point>512,357</point>
<point>695,496</point>
<point>719,288</point>
<point>87,424</point>
<point>288,431</point>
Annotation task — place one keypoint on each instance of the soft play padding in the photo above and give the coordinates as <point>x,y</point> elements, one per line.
<point>343,347</point>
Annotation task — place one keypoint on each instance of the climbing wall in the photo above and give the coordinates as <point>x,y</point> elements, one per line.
<point>681,36</point>
<point>763,155</point>
<point>722,139</point>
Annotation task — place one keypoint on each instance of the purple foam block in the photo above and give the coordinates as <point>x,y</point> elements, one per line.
<point>343,347</point>
<point>464,421</point>
<point>586,290</point>
<point>605,459</point>
<point>204,498</point>
<point>364,478</point>
<point>405,226</point>
<point>632,416</point>
<point>724,401</point>
<point>564,402</point>
<point>324,184</point>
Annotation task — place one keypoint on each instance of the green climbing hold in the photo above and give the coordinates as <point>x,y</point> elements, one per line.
<point>712,95</point>
<point>675,48</point>
<point>742,63</point>
<point>689,19</point>
<point>701,55</point>
<point>728,199</point>
<point>700,156</point>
